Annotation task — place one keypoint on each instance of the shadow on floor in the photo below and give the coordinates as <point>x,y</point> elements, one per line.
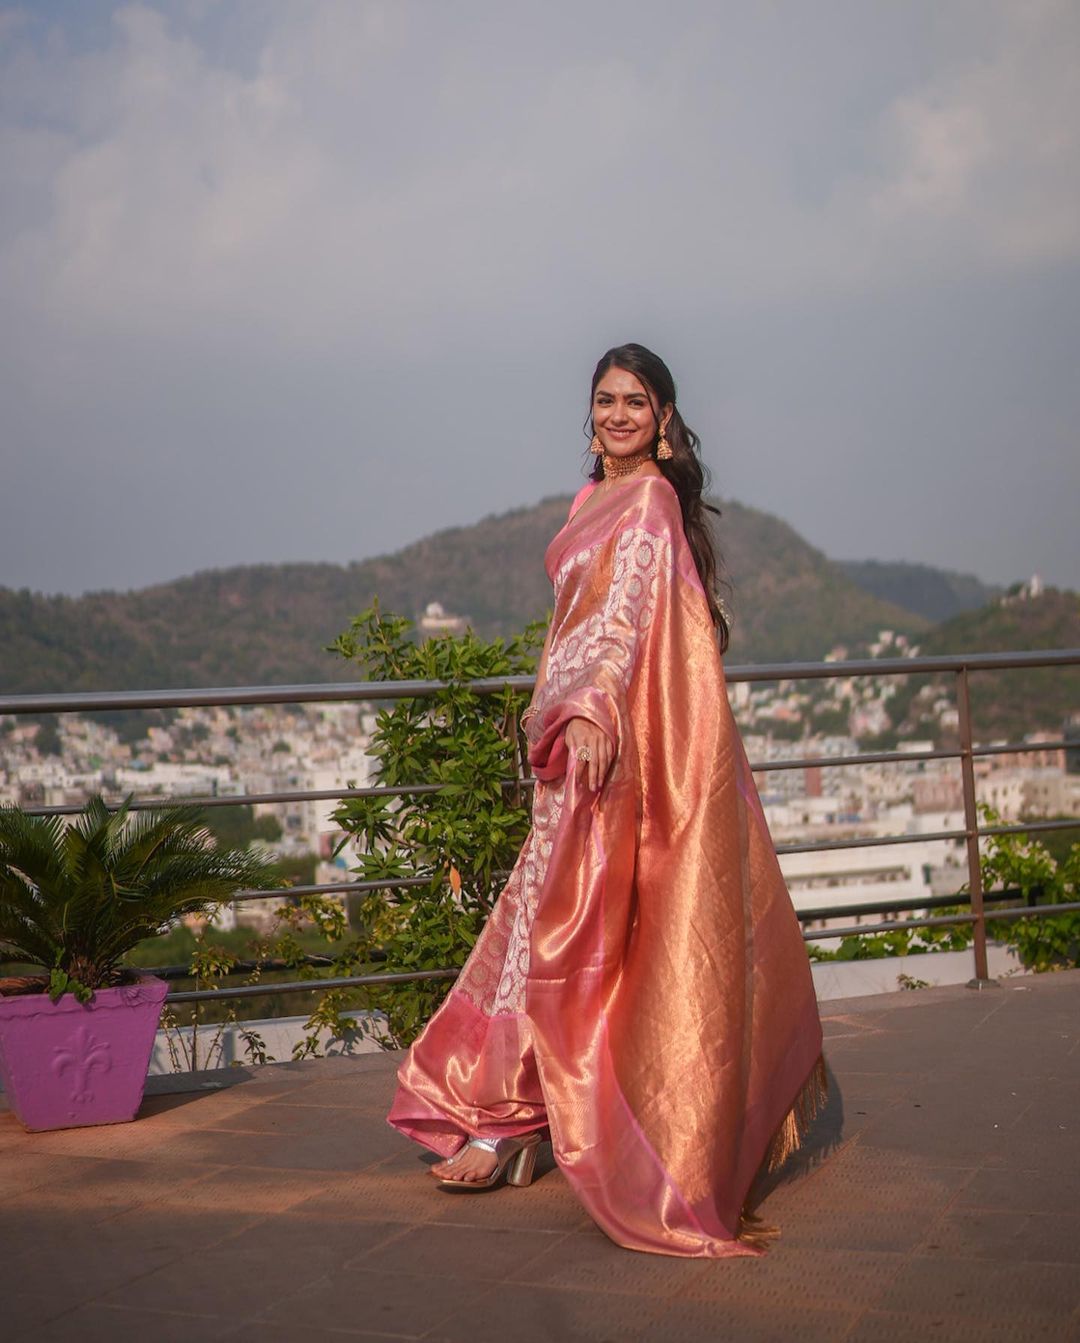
<point>825,1135</point>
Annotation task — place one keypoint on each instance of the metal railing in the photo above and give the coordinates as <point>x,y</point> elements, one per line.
<point>960,666</point>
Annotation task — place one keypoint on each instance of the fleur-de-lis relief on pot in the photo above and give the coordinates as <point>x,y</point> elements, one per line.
<point>84,1055</point>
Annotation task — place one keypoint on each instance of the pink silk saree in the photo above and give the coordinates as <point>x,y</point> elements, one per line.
<point>641,987</point>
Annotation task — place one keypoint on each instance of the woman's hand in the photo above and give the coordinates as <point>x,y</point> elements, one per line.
<point>581,735</point>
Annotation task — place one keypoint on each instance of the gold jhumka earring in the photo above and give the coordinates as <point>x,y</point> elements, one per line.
<point>663,448</point>
<point>596,447</point>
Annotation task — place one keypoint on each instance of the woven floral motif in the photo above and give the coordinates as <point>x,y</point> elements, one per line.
<point>494,976</point>
<point>638,561</point>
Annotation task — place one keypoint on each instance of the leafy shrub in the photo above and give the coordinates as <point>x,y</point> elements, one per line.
<point>196,1038</point>
<point>1014,862</point>
<point>1023,863</point>
<point>457,841</point>
<point>76,897</point>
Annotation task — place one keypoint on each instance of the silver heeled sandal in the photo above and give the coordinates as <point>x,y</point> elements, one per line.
<point>515,1161</point>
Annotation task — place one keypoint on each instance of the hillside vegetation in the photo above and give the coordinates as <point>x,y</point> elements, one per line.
<point>1010,703</point>
<point>1005,704</point>
<point>270,624</point>
<point>937,594</point>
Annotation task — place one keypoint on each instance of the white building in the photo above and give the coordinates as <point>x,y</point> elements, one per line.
<point>883,876</point>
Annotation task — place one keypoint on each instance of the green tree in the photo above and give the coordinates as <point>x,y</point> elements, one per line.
<point>458,841</point>
<point>47,739</point>
<point>830,722</point>
<point>298,870</point>
<point>1059,844</point>
<point>236,827</point>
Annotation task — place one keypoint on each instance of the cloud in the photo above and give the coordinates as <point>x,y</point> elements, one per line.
<point>986,155</point>
<point>229,227</point>
<point>346,182</point>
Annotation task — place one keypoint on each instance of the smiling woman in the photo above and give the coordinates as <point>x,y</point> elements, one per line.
<point>634,415</point>
<point>640,994</point>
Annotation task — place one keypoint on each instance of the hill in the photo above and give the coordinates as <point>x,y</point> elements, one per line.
<point>935,594</point>
<point>269,624</point>
<point>791,603</point>
<point>1008,704</point>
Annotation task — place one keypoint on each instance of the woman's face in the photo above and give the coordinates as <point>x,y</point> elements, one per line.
<point>623,415</point>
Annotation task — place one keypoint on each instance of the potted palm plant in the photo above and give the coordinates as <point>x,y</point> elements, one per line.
<point>75,898</point>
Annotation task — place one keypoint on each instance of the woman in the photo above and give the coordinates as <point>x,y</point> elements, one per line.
<point>641,989</point>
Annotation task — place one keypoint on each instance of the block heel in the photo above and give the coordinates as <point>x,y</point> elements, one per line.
<point>523,1166</point>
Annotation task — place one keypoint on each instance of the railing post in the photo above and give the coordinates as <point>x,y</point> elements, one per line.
<point>971,827</point>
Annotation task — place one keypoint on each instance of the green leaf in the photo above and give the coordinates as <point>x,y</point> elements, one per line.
<point>77,897</point>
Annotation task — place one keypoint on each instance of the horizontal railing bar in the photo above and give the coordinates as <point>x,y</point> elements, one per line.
<point>1022,827</point>
<point>345,887</point>
<point>307,986</point>
<point>917,902</point>
<point>898,757</point>
<point>869,842</point>
<point>276,965</point>
<point>821,846</point>
<point>242,799</point>
<point>417,789</point>
<point>878,841</point>
<point>405,790</point>
<point>820,912</point>
<point>270,966</point>
<point>352,887</point>
<point>870,758</point>
<point>362,691</point>
<point>1010,747</point>
<point>817,912</point>
<point>1035,911</point>
<point>330,692</point>
<point>809,935</point>
<point>805,671</point>
<point>331,888</point>
<point>865,929</point>
<point>199,801</point>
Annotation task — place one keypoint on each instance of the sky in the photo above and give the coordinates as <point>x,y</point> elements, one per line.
<point>307,281</point>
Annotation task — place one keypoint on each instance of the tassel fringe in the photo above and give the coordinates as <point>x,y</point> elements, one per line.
<point>754,1232</point>
<point>791,1134</point>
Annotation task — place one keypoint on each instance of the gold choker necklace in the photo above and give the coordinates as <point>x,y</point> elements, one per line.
<point>625,466</point>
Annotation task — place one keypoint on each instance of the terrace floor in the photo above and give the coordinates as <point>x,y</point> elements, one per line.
<point>940,1199</point>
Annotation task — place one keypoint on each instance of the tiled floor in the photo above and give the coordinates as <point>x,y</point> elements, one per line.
<point>940,1199</point>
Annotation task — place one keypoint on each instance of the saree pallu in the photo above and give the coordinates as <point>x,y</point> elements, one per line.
<point>641,987</point>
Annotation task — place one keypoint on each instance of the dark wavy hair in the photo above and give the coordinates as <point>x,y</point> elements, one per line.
<point>684,469</point>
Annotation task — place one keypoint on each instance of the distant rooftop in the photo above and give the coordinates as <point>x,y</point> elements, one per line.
<point>939,1198</point>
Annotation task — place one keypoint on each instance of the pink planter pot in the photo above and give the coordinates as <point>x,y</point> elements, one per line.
<point>67,1064</point>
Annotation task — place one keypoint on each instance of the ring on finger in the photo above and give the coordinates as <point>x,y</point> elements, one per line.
<point>584,753</point>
